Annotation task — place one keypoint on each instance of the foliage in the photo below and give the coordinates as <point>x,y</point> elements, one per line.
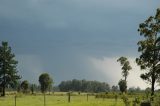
<point>32,88</point>
<point>107,95</point>
<point>125,66</point>
<point>136,101</point>
<point>147,92</point>
<point>122,85</point>
<point>114,88</point>
<point>156,100</point>
<point>133,89</point>
<point>83,86</point>
<point>8,71</point>
<point>126,100</point>
<point>25,86</point>
<point>145,103</point>
<point>149,48</point>
<point>18,86</point>
<point>45,81</point>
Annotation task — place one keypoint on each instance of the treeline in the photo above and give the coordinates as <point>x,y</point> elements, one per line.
<point>83,86</point>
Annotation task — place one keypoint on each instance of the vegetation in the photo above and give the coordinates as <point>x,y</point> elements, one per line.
<point>122,85</point>
<point>61,99</point>
<point>125,67</point>
<point>114,88</point>
<point>58,101</point>
<point>45,81</point>
<point>8,71</point>
<point>25,86</point>
<point>149,48</point>
<point>83,86</point>
<point>32,88</point>
<point>88,92</point>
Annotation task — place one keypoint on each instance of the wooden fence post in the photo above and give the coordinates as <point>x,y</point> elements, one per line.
<point>69,97</point>
<point>44,99</point>
<point>15,98</point>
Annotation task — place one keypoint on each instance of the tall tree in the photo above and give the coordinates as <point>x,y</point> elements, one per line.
<point>149,49</point>
<point>125,66</point>
<point>8,71</point>
<point>45,81</point>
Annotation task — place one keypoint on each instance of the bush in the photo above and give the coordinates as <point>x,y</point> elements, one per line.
<point>126,100</point>
<point>156,101</point>
<point>106,95</point>
<point>136,101</point>
<point>146,103</point>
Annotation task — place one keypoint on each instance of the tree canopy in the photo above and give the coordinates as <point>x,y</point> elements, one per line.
<point>45,81</point>
<point>25,86</point>
<point>122,85</point>
<point>8,64</point>
<point>125,66</point>
<point>149,48</point>
<point>83,86</point>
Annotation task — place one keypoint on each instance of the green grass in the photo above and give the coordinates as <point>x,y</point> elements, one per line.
<point>51,100</point>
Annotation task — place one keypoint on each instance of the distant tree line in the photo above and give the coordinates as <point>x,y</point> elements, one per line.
<point>84,86</point>
<point>45,85</point>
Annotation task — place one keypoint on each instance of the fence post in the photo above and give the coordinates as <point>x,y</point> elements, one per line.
<point>15,98</point>
<point>44,99</point>
<point>69,97</point>
<point>87,96</point>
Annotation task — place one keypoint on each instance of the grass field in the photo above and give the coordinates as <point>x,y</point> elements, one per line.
<point>51,100</point>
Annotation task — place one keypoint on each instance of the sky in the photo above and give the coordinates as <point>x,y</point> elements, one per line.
<point>75,39</point>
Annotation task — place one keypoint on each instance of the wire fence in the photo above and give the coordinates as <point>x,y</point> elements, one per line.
<point>56,100</point>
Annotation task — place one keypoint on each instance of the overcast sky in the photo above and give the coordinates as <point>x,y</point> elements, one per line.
<point>70,39</point>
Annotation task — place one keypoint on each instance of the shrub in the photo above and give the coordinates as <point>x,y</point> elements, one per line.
<point>156,101</point>
<point>136,101</point>
<point>126,100</point>
<point>104,95</point>
<point>145,103</point>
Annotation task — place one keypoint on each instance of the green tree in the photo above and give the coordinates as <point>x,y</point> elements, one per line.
<point>83,86</point>
<point>122,85</point>
<point>8,71</point>
<point>18,86</point>
<point>45,81</point>
<point>50,88</point>
<point>149,49</point>
<point>114,88</point>
<point>25,86</point>
<point>125,66</point>
<point>32,88</point>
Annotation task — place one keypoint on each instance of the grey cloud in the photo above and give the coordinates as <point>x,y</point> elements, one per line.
<point>63,33</point>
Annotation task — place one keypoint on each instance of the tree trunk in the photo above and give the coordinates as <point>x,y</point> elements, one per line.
<point>3,92</point>
<point>126,84</point>
<point>125,78</point>
<point>4,83</point>
<point>152,86</point>
<point>154,68</point>
<point>153,82</point>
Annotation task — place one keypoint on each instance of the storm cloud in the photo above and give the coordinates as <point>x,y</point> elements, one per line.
<point>61,37</point>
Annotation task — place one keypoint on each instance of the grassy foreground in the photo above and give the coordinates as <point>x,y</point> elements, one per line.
<point>51,100</point>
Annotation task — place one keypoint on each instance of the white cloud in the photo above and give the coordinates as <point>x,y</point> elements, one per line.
<point>112,69</point>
